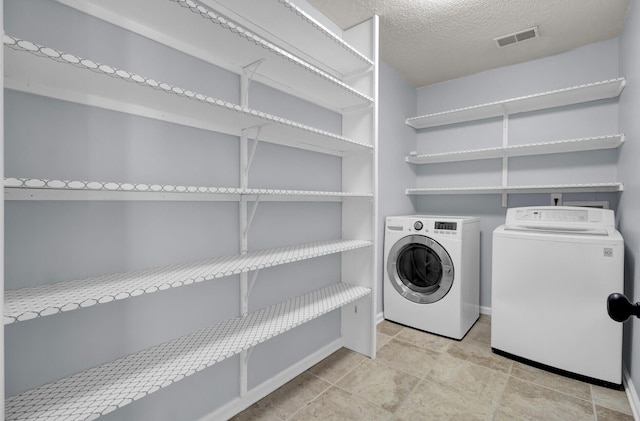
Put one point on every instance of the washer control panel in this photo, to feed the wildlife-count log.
(570, 215)
(565, 217)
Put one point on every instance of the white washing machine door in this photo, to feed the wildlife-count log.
(420, 269)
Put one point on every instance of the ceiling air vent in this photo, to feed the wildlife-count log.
(517, 37)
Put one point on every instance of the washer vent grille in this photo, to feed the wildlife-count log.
(517, 37)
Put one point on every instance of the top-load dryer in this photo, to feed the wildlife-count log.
(553, 269)
(431, 272)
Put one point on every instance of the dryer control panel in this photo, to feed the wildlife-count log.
(441, 226)
(445, 226)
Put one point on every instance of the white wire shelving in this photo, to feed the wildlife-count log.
(551, 99)
(550, 188)
(44, 189)
(45, 300)
(44, 71)
(546, 100)
(541, 148)
(345, 84)
(286, 17)
(103, 389)
(191, 27)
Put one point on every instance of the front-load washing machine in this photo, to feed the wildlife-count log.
(432, 273)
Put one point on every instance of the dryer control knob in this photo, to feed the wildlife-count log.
(418, 225)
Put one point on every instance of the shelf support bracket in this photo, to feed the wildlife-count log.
(247, 282)
(355, 108)
(245, 356)
(252, 282)
(356, 73)
(248, 72)
(251, 213)
(247, 152)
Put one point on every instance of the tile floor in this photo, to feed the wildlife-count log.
(419, 376)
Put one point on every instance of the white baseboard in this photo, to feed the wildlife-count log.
(632, 393)
(379, 318)
(254, 395)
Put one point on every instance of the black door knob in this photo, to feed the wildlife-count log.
(620, 309)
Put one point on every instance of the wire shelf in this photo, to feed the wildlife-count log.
(45, 189)
(45, 300)
(557, 98)
(550, 188)
(103, 389)
(190, 26)
(541, 148)
(40, 70)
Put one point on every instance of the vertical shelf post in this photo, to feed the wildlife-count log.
(247, 152)
(359, 217)
(505, 158)
(245, 81)
(2, 216)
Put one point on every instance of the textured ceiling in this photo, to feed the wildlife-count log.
(429, 41)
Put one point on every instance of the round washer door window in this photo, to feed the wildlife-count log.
(420, 269)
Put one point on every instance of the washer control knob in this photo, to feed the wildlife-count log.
(418, 225)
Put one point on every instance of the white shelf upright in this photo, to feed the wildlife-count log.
(359, 173)
(2, 390)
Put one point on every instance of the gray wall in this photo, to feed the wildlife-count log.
(591, 63)
(629, 170)
(395, 141)
(53, 241)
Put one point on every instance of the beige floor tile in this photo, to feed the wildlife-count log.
(552, 381)
(533, 402)
(336, 365)
(256, 413)
(382, 340)
(481, 331)
(389, 328)
(289, 398)
(480, 353)
(470, 380)
(339, 405)
(606, 414)
(424, 339)
(430, 401)
(612, 399)
(503, 416)
(407, 357)
(379, 384)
